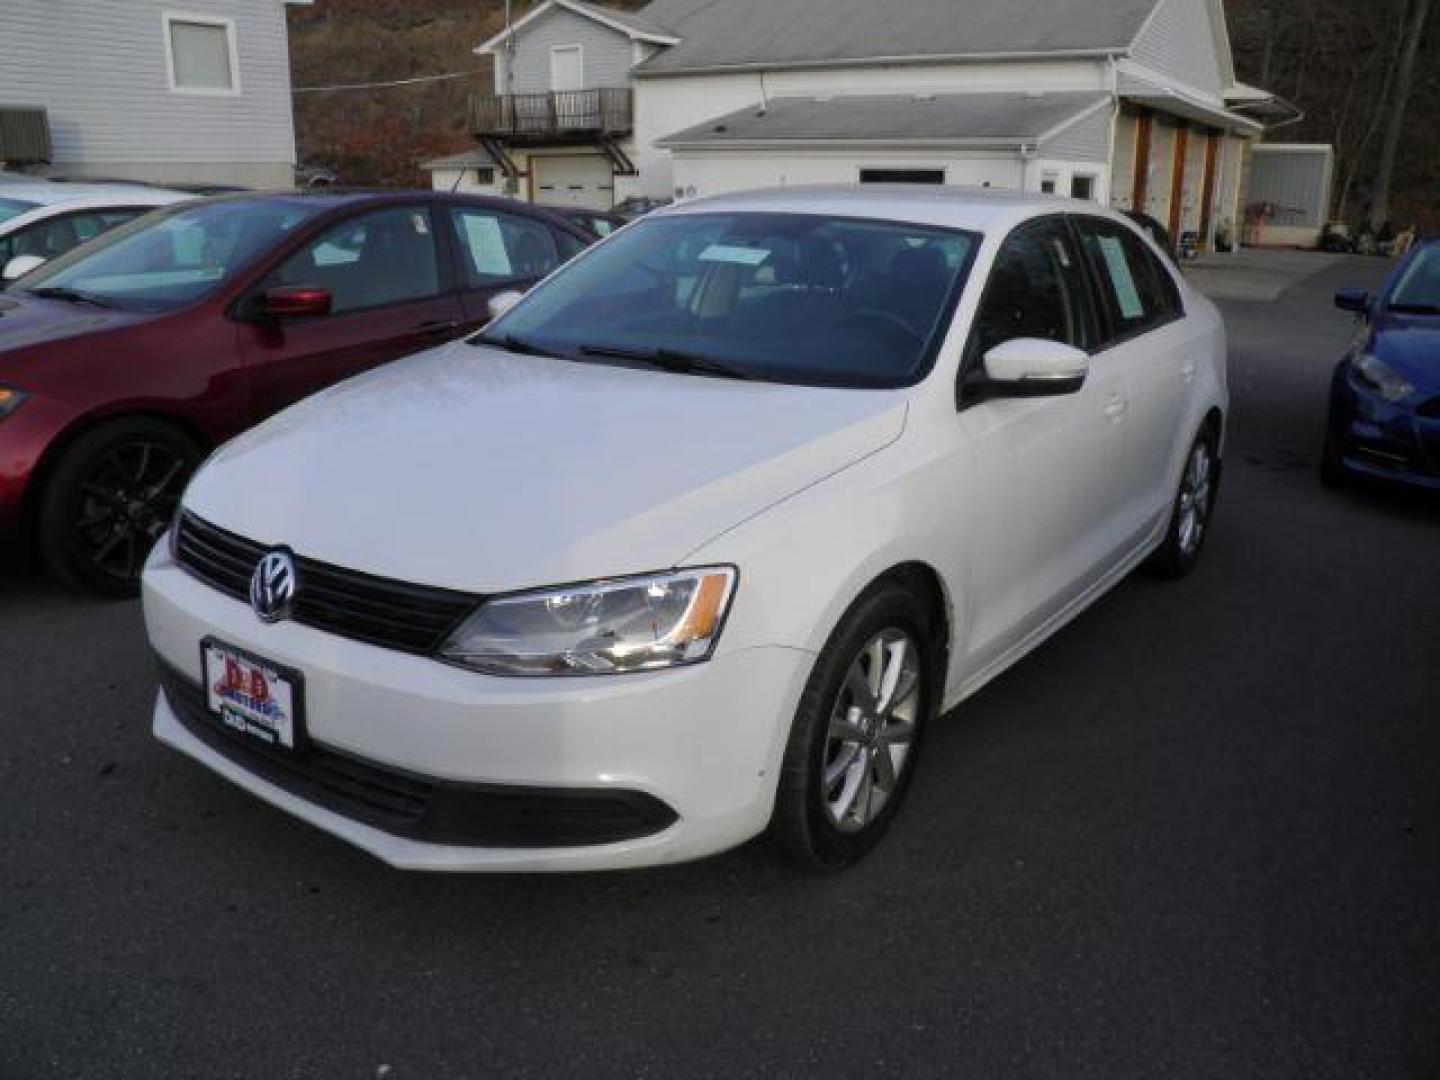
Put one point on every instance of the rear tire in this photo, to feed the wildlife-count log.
(858, 731)
(108, 499)
(1193, 509)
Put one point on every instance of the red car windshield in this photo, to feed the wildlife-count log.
(171, 260)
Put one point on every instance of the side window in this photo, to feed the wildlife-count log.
(91, 223)
(1138, 292)
(497, 248)
(1036, 290)
(570, 246)
(371, 260)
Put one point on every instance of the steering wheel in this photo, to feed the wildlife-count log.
(884, 323)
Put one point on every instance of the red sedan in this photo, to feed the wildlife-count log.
(124, 362)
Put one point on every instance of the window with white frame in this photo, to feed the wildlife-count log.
(200, 56)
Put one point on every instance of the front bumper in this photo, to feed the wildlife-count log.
(682, 763)
(1376, 439)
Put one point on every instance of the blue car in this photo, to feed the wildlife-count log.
(1385, 398)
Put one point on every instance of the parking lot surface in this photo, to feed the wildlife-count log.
(1196, 835)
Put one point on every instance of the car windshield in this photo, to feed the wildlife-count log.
(797, 298)
(11, 207)
(1418, 290)
(167, 261)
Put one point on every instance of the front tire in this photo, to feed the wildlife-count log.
(858, 731)
(109, 498)
(1193, 509)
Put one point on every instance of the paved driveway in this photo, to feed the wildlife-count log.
(1256, 275)
(1198, 835)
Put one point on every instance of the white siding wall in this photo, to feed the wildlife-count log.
(464, 182)
(99, 70)
(1179, 42)
(608, 54)
(1088, 140)
(710, 172)
(1127, 135)
(666, 105)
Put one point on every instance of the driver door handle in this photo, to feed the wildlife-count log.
(436, 327)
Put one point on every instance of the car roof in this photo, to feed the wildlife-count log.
(974, 209)
(43, 193)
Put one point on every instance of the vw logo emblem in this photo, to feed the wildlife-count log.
(272, 586)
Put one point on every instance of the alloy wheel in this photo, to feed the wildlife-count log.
(124, 504)
(1196, 497)
(872, 728)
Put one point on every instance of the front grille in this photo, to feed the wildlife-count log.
(421, 808)
(363, 607)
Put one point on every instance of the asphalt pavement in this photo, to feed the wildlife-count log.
(1196, 835)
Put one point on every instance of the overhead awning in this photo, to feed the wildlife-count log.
(1272, 110)
(1000, 120)
(24, 136)
(1167, 99)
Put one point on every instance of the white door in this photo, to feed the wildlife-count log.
(1155, 345)
(567, 68)
(585, 181)
(1046, 468)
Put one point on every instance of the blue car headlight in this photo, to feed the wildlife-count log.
(1375, 375)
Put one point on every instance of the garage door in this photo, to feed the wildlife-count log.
(587, 182)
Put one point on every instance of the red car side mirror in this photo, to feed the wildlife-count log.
(294, 302)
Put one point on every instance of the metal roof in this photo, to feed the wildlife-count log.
(992, 118)
(630, 20)
(467, 159)
(768, 33)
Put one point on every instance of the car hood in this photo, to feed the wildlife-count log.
(1411, 346)
(26, 322)
(471, 468)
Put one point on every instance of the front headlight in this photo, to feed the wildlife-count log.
(10, 400)
(605, 628)
(1381, 378)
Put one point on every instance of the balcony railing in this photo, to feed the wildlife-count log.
(557, 116)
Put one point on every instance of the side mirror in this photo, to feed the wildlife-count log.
(21, 265)
(293, 302)
(1354, 300)
(1034, 367)
(502, 302)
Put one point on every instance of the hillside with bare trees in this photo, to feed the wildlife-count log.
(1340, 61)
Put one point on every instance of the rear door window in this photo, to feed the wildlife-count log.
(1137, 291)
(498, 249)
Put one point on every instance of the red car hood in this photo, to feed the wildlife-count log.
(26, 322)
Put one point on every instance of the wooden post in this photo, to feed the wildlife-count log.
(1177, 179)
(1207, 195)
(1141, 189)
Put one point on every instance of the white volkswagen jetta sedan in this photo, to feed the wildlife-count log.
(697, 539)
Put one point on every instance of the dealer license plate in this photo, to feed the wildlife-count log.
(251, 696)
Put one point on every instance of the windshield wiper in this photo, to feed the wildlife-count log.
(511, 343)
(74, 296)
(1416, 309)
(680, 363)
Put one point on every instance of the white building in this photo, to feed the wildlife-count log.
(1130, 102)
(193, 91)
